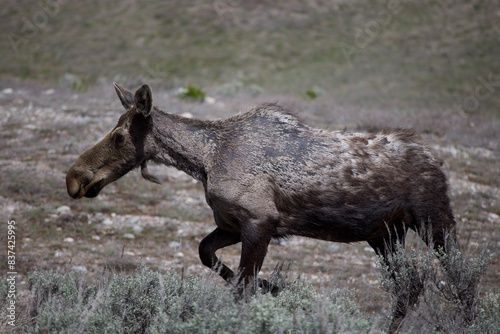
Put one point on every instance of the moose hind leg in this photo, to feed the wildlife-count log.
(432, 215)
(405, 288)
(218, 239)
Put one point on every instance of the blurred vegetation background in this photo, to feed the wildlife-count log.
(400, 55)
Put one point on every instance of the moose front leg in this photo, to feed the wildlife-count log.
(218, 239)
(255, 239)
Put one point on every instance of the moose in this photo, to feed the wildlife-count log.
(268, 175)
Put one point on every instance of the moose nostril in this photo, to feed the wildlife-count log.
(76, 179)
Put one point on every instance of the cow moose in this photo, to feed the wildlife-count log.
(268, 175)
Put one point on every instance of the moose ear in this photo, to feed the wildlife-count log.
(144, 100)
(126, 97)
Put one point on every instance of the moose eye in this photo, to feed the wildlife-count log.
(119, 138)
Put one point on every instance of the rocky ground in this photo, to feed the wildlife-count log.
(43, 129)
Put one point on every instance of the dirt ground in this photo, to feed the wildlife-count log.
(43, 129)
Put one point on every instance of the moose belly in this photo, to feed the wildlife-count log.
(343, 222)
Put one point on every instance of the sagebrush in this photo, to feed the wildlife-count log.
(149, 301)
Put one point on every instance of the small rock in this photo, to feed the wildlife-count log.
(69, 240)
(107, 222)
(189, 200)
(179, 254)
(493, 217)
(48, 92)
(137, 229)
(133, 220)
(58, 254)
(63, 210)
(174, 244)
(7, 91)
(80, 269)
(129, 236)
(187, 115)
(96, 237)
(209, 100)
(333, 248)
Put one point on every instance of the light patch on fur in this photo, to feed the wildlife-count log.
(285, 118)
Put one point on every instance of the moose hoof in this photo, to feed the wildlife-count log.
(268, 287)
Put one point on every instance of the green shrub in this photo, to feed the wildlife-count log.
(134, 299)
(191, 92)
(150, 302)
(65, 295)
(75, 82)
(310, 93)
(488, 311)
(255, 90)
(447, 295)
(314, 92)
(230, 89)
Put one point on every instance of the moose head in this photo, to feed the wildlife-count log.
(121, 150)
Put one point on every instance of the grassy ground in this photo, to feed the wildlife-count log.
(431, 67)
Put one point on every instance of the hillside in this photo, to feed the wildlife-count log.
(402, 56)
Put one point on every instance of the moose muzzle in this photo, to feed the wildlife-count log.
(78, 180)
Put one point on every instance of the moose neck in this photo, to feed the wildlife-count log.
(183, 143)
